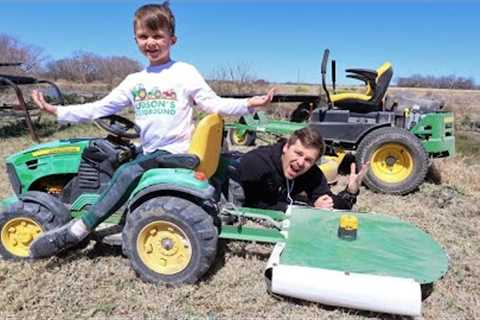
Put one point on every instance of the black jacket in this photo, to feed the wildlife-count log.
(265, 186)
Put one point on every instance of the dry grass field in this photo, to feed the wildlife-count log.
(97, 282)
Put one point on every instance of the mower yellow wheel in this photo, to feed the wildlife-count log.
(392, 163)
(242, 138)
(164, 247)
(239, 138)
(17, 235)
(329, 166)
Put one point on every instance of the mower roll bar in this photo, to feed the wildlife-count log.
(324, 80)
(334, 75)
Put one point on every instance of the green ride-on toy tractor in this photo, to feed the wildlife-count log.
(173, 219)
(170, 232)
(398, 136)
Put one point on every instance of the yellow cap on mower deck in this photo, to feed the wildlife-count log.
(347, 227)
(348, 222)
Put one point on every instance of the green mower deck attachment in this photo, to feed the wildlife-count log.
(380, 264)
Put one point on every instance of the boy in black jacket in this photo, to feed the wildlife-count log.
(272, 177)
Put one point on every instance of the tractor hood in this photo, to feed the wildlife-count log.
(53, 158)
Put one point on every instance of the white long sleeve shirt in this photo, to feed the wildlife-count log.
(163, 97)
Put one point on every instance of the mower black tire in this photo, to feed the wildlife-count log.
(398, 161)
(171, 240)
(301, 113)
(246, 139)
(23, 221)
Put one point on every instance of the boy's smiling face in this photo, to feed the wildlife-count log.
(155, 45)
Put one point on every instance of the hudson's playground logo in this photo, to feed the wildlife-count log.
(154, 101)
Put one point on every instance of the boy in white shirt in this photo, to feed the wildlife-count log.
(163, 96)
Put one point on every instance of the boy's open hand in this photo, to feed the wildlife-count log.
(39, 100)
(260, 101)
(355, 179)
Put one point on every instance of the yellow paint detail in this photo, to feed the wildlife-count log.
(448, 119)
(348, 222)
(382, 69)
(164, 248)
(48, 151)
(17, 235)
(207, 142)
(392, 163)
(350, 95)
(55, 189)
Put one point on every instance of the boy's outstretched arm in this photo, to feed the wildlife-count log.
(39, 100)
(260, 101)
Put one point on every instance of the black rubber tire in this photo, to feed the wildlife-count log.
(409, 142)
(301, 113)
(196, 224)
(247, 140)
(47, 211)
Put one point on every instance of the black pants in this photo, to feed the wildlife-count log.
(123, 182)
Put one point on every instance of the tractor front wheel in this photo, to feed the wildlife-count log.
(170, 239)
(25, 220)
(398, 161)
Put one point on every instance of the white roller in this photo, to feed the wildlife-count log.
(336, 288)
(351, 290)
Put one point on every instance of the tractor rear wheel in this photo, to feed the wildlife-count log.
(170, 239)
(26, 219)
(398, 161)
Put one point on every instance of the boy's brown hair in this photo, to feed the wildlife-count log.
(155, 17)
(309, 137)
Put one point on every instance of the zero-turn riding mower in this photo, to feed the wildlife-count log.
(396, 135)
(175, 216)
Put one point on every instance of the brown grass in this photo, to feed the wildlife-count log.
(97, 282)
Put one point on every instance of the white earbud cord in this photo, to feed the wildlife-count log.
(290, 189)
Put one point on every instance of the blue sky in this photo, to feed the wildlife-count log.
(277, 41)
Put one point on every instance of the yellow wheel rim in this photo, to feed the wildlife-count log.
(17, 235)
(392, 163)
(164, 248)
(239, 138)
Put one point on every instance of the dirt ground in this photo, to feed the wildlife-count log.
(97, 282)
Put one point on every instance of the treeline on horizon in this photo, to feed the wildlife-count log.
(82, 67)
(87, 67)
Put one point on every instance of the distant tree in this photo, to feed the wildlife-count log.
(86, 67)
(235, 80)
(114, 69)
(442, 82)
(12, 50)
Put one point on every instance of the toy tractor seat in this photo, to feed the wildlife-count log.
(204, 151)
(372, 100)
(206, 144)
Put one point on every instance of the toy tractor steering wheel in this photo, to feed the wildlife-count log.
(119, 126)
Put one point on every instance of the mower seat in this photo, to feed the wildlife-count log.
(372, 100)
(206, 143)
